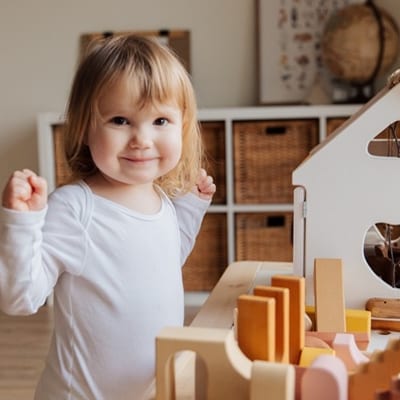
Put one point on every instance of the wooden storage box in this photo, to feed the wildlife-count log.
(265, 155)
(264, 236)
(208, 259)
(213, 134)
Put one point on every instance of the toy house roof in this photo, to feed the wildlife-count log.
(351, 139)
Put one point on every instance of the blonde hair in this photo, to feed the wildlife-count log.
(155, 75)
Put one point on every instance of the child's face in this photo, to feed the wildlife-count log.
(132, 145)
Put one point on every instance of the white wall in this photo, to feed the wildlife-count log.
(39, 47)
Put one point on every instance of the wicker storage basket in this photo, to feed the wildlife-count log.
(213, 134)
(264, 236)
(333, 123)
(208, 259)
(265, 155)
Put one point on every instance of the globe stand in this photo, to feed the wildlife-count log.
(343, 86)
(351, 93)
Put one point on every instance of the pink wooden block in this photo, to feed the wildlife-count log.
(325, 379)
(361, 338)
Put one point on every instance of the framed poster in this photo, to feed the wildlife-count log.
(289, 33)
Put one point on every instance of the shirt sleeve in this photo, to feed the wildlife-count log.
(190, 210)
(36, 248)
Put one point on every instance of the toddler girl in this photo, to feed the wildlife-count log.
(110, 244)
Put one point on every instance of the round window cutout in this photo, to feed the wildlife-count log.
(382, 252)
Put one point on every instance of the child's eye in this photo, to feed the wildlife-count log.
(119, 121)
(161, 121)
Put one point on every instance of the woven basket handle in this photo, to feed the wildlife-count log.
(275, 221)
(275, 130)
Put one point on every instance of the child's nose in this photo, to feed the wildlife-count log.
(140, 137)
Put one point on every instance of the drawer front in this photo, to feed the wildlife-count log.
(264, 236)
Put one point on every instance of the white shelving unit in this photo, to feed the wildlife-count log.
(323, 114)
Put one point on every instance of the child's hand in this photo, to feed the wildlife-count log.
(205, 187)
(25, 191)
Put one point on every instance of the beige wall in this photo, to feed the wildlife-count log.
(39, 44)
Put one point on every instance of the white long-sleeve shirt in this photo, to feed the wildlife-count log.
(117, 281)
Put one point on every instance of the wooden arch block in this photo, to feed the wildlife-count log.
(228, 371)
(346, 349)
(229, 374)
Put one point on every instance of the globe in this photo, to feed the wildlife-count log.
(356, 47)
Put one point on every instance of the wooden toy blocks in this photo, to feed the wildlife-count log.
(223, 370)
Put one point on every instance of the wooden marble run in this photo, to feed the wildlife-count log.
(269, 355)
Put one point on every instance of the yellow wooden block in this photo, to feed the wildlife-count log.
(309, 354)
(356, 320)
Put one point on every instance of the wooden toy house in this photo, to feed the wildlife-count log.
(343, 188)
